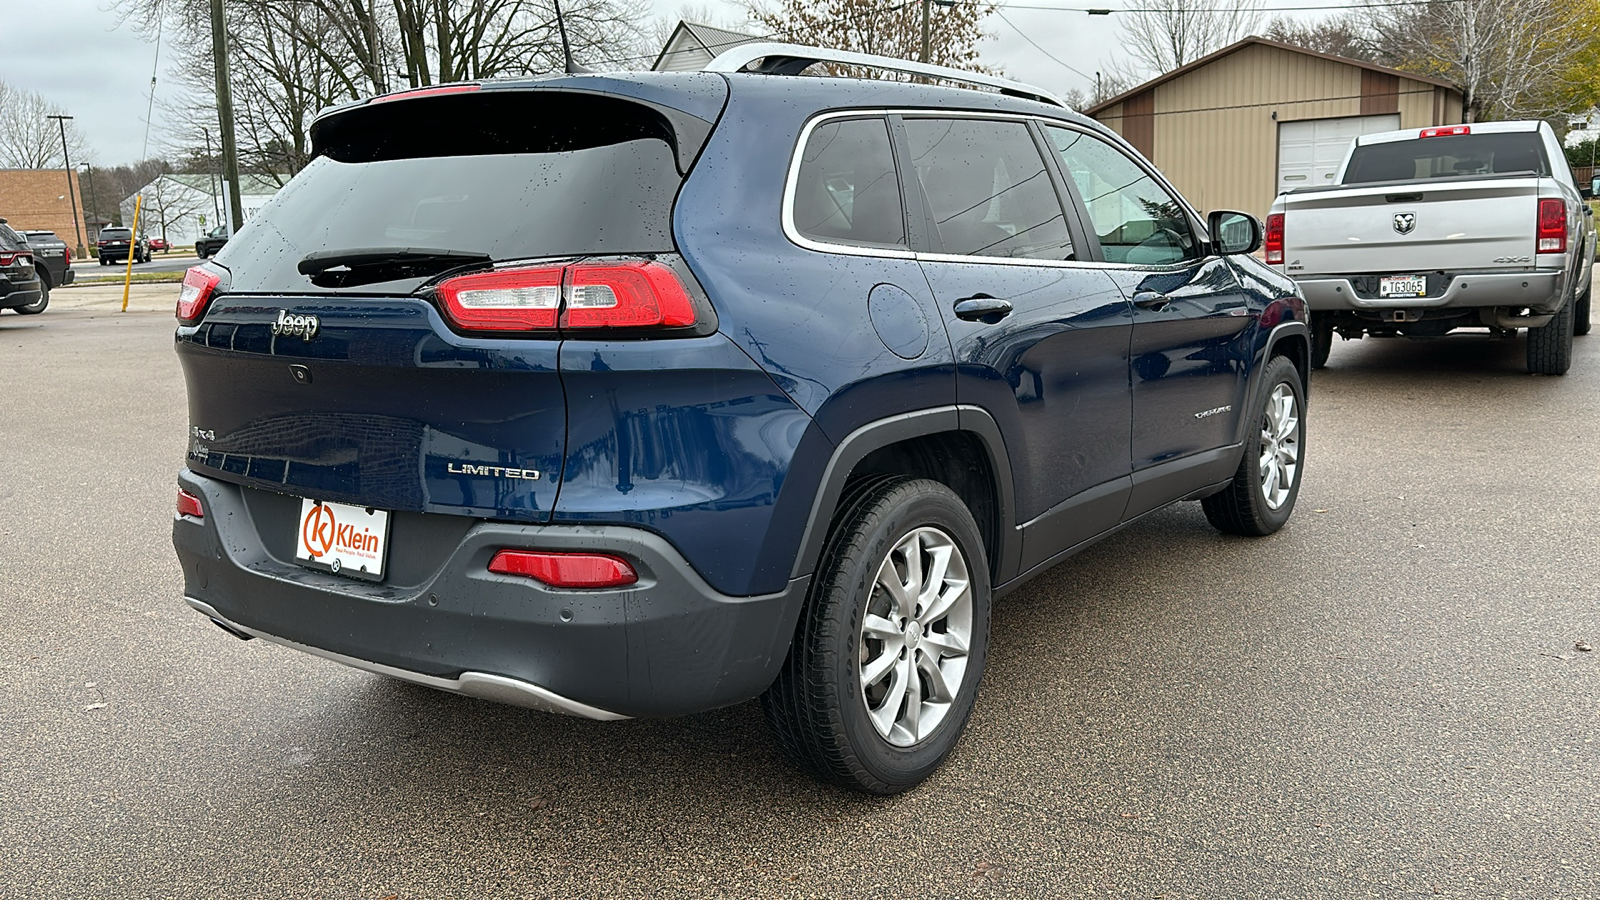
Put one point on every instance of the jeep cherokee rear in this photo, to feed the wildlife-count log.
(653, 393)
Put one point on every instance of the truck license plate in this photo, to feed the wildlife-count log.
(1402, 286)
(345, 540)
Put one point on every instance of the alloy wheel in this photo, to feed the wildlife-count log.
(1280, 446)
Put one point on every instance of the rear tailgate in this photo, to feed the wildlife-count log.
(327, 367)
(1455, 225)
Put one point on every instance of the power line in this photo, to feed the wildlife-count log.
(1036, 46)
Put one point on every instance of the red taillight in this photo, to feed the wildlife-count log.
(7, 259)
(1552, 232)
(68, 254)
(1445, 131)
(428, 92)
(565, 570)
(189, 505)
(1274, 239)
(198, 283)
(625, 294)
(509, 300)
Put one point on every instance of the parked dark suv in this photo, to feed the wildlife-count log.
(20, 288)
(52, 258)
(651, 393)
(114, 243)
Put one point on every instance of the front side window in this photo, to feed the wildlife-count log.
(1136, 219)
(847, 191)
(987, 189)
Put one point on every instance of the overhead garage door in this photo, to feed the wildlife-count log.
(1310, 151)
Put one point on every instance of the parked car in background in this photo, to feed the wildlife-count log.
(644, 394)
(158, 243)
(115, 244)
(1435, 229)
(52, 259)
(214, 240)
(20, 287)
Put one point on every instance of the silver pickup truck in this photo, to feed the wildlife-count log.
(1434, 229)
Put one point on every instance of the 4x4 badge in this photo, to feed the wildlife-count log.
(1404, 222)
(304, 326)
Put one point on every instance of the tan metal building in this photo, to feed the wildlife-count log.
(1234, 129)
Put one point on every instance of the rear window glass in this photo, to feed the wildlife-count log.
(1448, 157)
(10, 240)
(531, 181)
(847, 190)
(121, 234)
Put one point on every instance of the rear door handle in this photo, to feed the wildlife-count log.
(1150, 299)
(982, 307)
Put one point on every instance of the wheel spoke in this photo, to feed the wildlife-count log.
(1269, 484)
(912, 549)
(873, 672)
(933, 583)
(881, 628)
(888, 713)
(938, 690)
(889, 579)
(912, 720)
(935, 611)
(945, 643)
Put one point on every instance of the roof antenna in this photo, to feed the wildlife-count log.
(566, 48)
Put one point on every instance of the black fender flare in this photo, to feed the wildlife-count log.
(1276, 336)
(902, 427)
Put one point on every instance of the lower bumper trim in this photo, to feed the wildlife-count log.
(482, 685)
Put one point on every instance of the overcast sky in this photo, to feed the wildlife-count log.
(80, 59)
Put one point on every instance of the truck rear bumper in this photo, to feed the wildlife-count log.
(668, 645)
(1540, 291)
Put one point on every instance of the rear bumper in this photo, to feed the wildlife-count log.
(14, 294)
(669, 645)
(1539, 290)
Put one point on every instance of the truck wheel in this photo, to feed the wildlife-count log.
(1321, 340)
(1264, 489)
(1550, 346)
(37, 306)
(891, 645)
(1580, 313)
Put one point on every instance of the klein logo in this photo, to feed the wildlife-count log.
(1405, 222)
(491, 471)
(304, 326)
(322, 534)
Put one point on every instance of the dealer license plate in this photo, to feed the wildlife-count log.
(1403, 286)
(346, 540)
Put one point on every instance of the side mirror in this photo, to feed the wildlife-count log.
(1586, 192)
(1233, 233)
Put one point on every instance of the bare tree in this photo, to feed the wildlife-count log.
(1167, 34)
(168, 201)
(1511, 58)
(886, 29)
(1341, 35)
(29, 139)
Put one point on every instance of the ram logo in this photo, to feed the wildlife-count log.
(1404, 222)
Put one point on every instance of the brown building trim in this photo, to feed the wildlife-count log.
(1380, 93)
(1139, 123)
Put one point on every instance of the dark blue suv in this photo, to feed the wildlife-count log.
(644, 394)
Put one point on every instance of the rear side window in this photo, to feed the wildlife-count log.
(847, 191)
(987, 189)
(1448, 157)
(518, 175)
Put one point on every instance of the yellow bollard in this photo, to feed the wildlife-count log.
(133, 246)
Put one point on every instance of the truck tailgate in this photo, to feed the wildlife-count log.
(1457, 225)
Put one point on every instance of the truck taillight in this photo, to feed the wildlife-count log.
(1274, 239)
(1446, 131)
(617, 294)
(68, 254)
(198, 284)
(1552, 231)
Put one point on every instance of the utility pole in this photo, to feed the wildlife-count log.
(66, 161)
(230, 153)
(92, 204)
(211, 176)
(927, 34)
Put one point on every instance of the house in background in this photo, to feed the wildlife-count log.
(1234, 129)
(691, 46)
(181, 208)
(37, 200)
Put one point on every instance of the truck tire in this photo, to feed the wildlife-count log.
(1550, 346)
(37, 306)
(1321, 340)
(890, 647)
(1580, 313)
(1258, 501)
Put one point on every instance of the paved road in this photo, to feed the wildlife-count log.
(159, 262)
(1383, 700)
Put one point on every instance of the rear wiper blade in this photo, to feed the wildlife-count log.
(338, 268)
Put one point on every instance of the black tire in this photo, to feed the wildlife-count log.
(1580, 313)
(1321, 339)
(1550, 346)
(104, 261)
(37, 306)
(817, 707)
(1242, 507)
(200, 252)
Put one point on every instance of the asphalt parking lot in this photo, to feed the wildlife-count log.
(1382, 700)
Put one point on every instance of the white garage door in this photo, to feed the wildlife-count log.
(1309, 152)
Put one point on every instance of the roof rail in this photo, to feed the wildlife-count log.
(792, 59)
